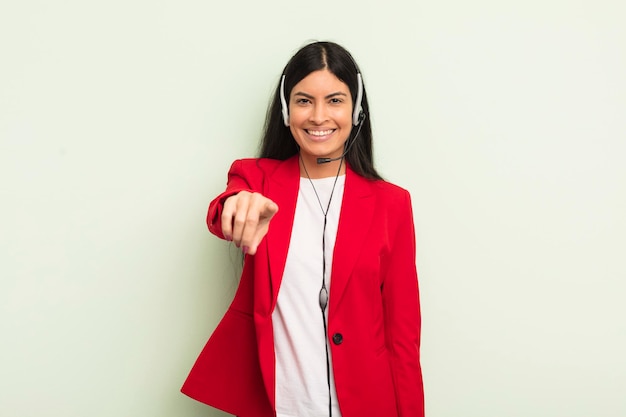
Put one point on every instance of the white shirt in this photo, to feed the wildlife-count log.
(299, 339)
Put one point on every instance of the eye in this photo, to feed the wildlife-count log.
(302, 101)
(336, 100)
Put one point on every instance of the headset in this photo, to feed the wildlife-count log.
(357, 116)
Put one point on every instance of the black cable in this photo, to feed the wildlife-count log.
(323, 294)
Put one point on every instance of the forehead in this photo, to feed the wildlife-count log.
(322, 81)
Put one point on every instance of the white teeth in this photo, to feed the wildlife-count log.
(319, 132)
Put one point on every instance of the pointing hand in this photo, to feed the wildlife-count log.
(245, 219)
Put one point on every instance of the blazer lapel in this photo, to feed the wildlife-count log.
(281, 187)
(357, 212)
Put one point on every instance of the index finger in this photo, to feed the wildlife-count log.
(269, 209)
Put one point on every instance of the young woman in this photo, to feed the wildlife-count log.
(326, 318)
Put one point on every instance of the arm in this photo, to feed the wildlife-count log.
(400, 297)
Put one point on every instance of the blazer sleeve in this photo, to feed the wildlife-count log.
(400, 296)
(243, 175)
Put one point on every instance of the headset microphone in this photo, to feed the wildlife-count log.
(345, 152)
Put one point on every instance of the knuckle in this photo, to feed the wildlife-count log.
(251, 221)
(232, 200)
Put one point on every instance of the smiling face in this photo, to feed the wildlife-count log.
(320, 117)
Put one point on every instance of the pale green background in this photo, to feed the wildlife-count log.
(118, 121)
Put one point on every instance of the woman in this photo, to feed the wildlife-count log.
(326, 319)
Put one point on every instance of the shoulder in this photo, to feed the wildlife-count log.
(389, 200)
(252, 164)
(389, 188)
(389, 196)
(395, 202)
(262, 166)
(392, 194)
(379, 187)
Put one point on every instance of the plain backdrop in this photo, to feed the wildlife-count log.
(506, 120)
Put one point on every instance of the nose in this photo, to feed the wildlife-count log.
(318, 114)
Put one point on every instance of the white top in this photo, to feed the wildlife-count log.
(299, 339)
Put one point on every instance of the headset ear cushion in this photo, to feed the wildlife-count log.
(358, 108)
(283, 101)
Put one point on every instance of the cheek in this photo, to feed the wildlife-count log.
(294, 133)
(344, 119)
(297, 116)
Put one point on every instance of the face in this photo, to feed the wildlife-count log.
(320, 115)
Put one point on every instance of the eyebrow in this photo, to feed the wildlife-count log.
(331, 95)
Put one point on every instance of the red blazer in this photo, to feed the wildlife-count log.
(373, 314)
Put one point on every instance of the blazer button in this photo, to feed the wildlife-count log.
(337, 338)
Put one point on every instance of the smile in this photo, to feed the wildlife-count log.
(320, 132)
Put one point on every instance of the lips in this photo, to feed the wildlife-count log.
(320, 132)
(319, 135)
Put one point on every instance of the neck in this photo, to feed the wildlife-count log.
(330, 169)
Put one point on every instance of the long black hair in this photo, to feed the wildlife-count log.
(278, 142)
